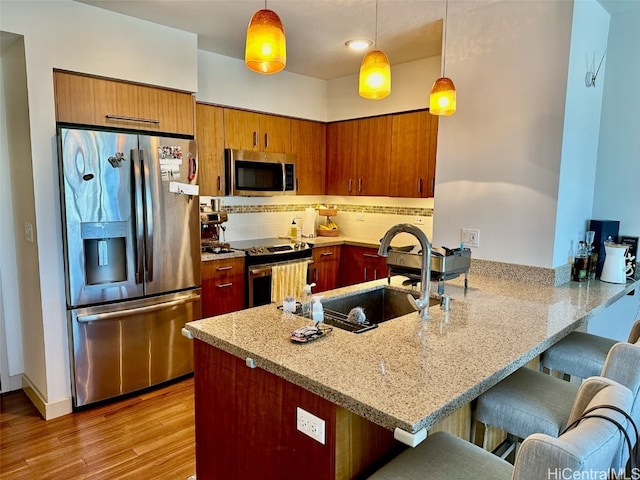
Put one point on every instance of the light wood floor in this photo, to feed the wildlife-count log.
(148, 436)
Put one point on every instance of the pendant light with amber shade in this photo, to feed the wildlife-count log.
(375, 72)
(266, 48)
(442, 100)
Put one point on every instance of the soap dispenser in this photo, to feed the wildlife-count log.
(318, 312)
(306, 300)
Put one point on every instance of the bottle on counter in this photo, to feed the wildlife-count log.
(294, 229)
(581, 263)
(307, 300)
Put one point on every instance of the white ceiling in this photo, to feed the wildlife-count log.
(316, 30)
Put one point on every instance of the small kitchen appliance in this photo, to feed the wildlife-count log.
(614, 268)
(211, 229)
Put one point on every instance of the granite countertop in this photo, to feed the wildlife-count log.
(407, 373)
(207, 256)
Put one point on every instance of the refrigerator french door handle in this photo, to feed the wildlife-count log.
(138, 216)
(148, 208)
(136, 311)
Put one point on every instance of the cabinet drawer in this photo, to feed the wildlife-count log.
(222, 286)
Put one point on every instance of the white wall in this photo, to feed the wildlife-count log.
(410, 86)
(14, 124)
(589, 33)
(69, 35)
(227, 81)
(499, 155)
(617, 189)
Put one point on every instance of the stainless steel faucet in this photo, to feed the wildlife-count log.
(421, 304)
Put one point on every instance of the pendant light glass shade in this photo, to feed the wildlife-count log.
(266, 49)
(375, 76)
(442, 100)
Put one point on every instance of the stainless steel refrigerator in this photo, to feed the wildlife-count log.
(132, 246)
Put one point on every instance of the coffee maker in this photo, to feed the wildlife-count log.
(211, 228)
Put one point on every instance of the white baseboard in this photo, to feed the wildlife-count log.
(48, 410)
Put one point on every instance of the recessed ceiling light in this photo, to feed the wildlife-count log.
(358, 43)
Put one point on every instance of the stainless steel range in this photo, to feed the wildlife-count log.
(262, 255)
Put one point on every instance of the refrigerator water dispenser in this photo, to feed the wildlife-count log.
(105, 252)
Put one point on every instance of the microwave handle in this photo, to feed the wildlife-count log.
(284, 178)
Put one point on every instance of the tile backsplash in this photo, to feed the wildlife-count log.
(359, 217)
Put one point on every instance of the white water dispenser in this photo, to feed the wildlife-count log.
(614, 268)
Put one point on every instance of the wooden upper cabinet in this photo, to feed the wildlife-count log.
(308, 143)
(275, 133)
(210, 138)
(359, 157)
(373, 156)
(413, 154)
(256, 131)
(342, 138)
(85, 100)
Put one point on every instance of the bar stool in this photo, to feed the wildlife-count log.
(528, 401)
(592, 446)
(582, 354)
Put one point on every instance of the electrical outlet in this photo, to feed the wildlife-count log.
(470, 237)
(418, 221)
(310, 425)
(360, 217)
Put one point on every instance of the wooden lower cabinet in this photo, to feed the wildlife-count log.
(222, 286)
(246, 427)
(325, 268)
(360, 264)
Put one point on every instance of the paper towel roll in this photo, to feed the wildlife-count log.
(309, 222)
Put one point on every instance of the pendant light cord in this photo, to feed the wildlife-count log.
(444, 36)
(375, 40)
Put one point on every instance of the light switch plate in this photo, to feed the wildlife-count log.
(470, 237)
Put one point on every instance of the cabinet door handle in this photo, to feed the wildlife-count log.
(255, 139)
(350, 182)
(133, 119)
(420, 185)
(315, 274)
(433, 186)
(375, 274)
(220, 269)
(224, 285)
(360, 185)
(219, 183)
(365, 274)
(370, 255)
(266, 140)
(326, 254)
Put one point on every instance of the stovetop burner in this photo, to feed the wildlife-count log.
(269, 246)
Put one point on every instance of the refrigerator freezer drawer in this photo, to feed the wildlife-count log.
(124, 347)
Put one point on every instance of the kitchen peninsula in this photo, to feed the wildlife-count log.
(404, 376)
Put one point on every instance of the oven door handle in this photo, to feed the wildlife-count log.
(260, 272)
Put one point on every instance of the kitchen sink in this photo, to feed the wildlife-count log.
(379, 305)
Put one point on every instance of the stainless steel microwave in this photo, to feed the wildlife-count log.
(251, 173)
